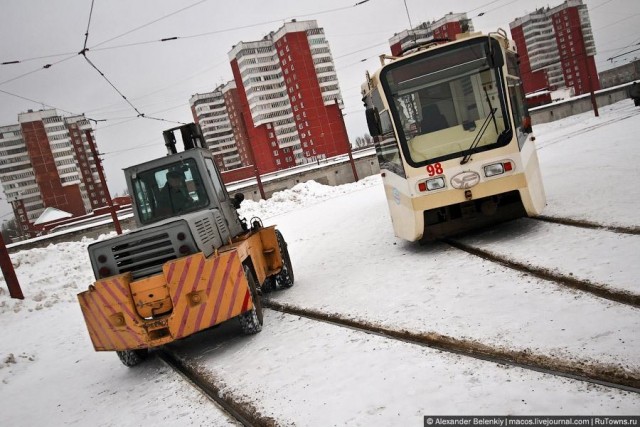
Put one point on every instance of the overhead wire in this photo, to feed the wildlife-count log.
(44, 67)
(601, 4)
(140, 114)
(149, 23)
(495, 8)
(83, 52)
(225, 30)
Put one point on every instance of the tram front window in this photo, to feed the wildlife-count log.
(446, 99)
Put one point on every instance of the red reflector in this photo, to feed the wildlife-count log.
(184, 249)
(508, 166)
(422, 186)
(104, 272)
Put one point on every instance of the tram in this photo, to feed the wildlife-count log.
(453, 137)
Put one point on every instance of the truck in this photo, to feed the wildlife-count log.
(190, 264)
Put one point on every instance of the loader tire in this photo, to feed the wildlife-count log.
(285, 277)
(132, 358)
(251, 321)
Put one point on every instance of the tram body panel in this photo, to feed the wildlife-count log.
(454, 138)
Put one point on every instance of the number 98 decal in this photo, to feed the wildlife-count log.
(435, 169)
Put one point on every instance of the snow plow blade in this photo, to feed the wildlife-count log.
(191, 294)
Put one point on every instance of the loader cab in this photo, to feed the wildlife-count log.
(177, 185)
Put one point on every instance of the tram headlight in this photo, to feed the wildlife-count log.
(497, 169)
(431, 184)
(435, 184)
(493, 170)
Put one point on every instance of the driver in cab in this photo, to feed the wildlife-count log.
(174, 196)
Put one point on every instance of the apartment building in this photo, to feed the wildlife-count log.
(444, 28)
(288, 101)
(556, 49)
(46, 161)
(214, 112)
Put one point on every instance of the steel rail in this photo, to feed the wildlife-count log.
(587, 224)
(243, 412)
(604, 375)
(597, 289)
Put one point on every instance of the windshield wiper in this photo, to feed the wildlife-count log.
(482, 129)
(479, 135)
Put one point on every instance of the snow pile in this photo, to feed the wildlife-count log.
(57, 273)
(301, 195)
(48, 276)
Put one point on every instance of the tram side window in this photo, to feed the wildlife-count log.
(516, 96)
(518, 107)
(387, 148)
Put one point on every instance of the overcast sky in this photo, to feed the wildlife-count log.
(158, 78)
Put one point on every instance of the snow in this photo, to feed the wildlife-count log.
(348, 262)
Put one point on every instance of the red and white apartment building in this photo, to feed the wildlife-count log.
(214, 112)
(283, 107)
(46, 162)
(557, 51)
(444, 28)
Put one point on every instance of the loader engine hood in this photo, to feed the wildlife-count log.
(144, 251)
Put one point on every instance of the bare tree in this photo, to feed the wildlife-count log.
(364, 141)
(10, 230)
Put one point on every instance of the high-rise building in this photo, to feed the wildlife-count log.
(288, 98)
(212, 111)
(556, 49)
(444, 28)
(46, 162)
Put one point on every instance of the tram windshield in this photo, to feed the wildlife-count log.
(448, 102)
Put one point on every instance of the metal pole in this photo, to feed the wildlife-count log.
(344, 128)
(8, 272)
(594, 103)
(103, 181)
(256, 172)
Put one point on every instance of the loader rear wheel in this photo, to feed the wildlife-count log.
(285, 277)
(251, 321)
(132, 357)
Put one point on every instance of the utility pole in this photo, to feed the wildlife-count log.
(344, 128)
(256, 172)
(8, 272)
(103, 181)
(594, 103)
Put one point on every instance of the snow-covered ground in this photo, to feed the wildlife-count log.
(348, 262)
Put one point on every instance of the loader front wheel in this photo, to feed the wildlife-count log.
(132, 358)
(251, 321)
(285, 277)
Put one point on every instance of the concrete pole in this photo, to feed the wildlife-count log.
(103, 181)
(8, 272)
(344, 128)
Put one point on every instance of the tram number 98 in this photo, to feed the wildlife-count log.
(435, 169)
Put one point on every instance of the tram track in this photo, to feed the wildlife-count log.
(614, 376)
(241, 408)
(583, 370)
(597, 289)
(587, 129)
(587, 224)
(242, 411)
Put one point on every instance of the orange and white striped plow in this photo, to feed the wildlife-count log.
(203, 292)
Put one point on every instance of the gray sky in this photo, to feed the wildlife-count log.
(159, 77)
